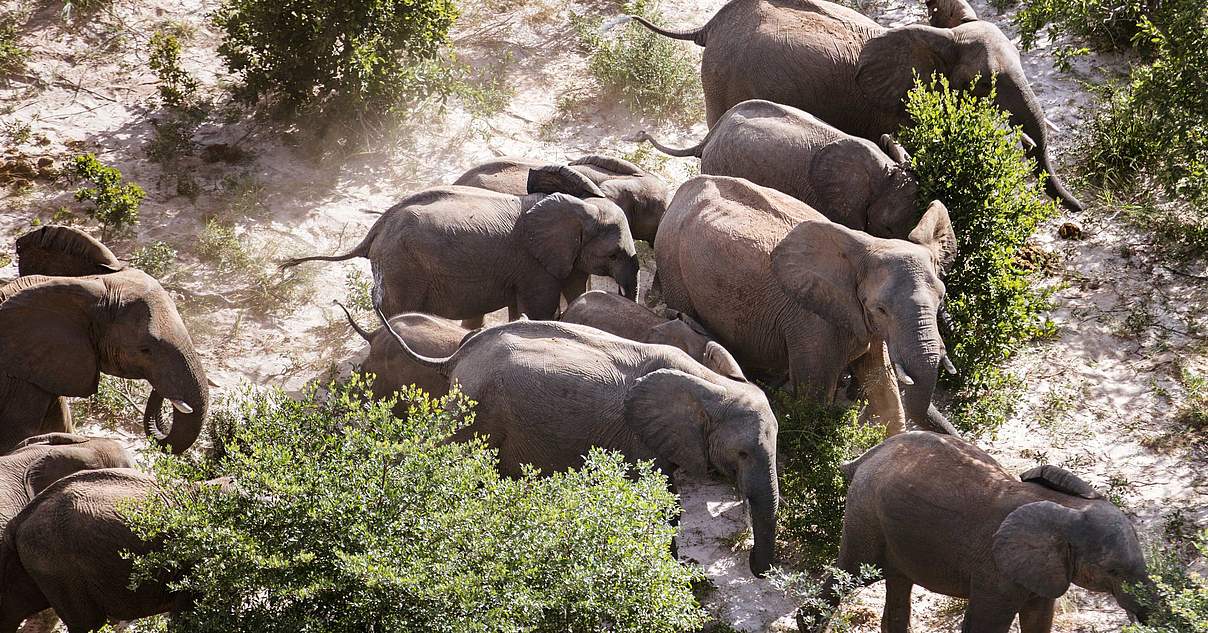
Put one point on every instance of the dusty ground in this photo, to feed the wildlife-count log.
(1101, 397)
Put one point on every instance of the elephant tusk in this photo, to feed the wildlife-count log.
(1028, 143)
(948, 366)
(1052, 126)
(182, 406)
(903, 377)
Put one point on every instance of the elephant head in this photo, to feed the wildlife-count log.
(577, 228)
(876, 289)
(702, 422)
(682, 331)
(641, 195)
(1044, 547)
(60, 333)
(866, 187)
(64, 251)
(946, 14)
(969, 55)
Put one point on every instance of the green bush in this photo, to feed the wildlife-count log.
(177, 88)
(156, 259)
(12, 54)
(654, 76)
(814, 441)
(115, 203)
(966, 155)
(1179, 602)
(117, 403)
(354, 58)
(1107, 23)
(345, 518)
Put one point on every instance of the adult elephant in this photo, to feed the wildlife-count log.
(58, 334)
(462, 252)
(853, 73)
(802, 294)
(548, 392)
(848, 179)
(938, 512)
(640, 194)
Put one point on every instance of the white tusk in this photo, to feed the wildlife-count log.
(948, 366)
(181, 406)
(1052, 126)
(903, 377)
(1028, 143)
(614, 23)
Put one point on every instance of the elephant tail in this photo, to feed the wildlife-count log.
(695, 150)
(360, 250)
(440, 365)
(353, 322)
(696, 35)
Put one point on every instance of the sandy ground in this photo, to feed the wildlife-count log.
(1100, 396)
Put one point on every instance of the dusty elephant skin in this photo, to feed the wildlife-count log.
(627, 319)
(44, 459)
(548, 392)
(805, 295)
(641, 195)
(848, 179)
(462, 252)
(938, 512)
(853, 73)
(58, 334)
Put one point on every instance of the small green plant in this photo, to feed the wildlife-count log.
(966, 155)
(815, 440)
(346, 518)
(117, 403)
(1178, 600)
(244, 195)
(262, 286)
(5, 260)
(12, 53)
(177, 88)
(173, 139)
(156, 259)
(115, 203)
(1193, 412)
(817, 605)
(16, 132)
(360, 291)
(654, 76)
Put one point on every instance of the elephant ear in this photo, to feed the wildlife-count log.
(894, 150)
(1031, 548)
(817, 266)
(44, 334)
(889, 62)
(669, 410)
(562, 179)
(1061, 480)
(615, 165)
(554, 229)
(64, 251)
(934, 232)
(717, 359)
(844, 173)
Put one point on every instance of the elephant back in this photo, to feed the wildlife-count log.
(1060, 480)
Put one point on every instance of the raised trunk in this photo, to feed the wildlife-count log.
(759, 487)
(1017, 98)
(194, 392)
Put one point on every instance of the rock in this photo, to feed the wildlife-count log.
(1069, 231)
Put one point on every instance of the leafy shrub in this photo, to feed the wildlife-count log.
(1107, 23)
(815, 440)
(12, 54)
(117, 403)
(811, 589)
(965, 154)
(115, 203)
(654, 76)
(357, 58)
(260, 285)
(156, 259)
(360, 291)
(1179, 603)
(177, 87)
(346, 518)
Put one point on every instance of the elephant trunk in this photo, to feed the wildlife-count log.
(919, 360)
(626, 275)
(1126, 598)
(1017, 98)
(759, 487)
(189, 393)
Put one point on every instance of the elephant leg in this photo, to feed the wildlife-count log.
(875, 374)
(474, 323)
(43, 622)
(58, 417)
(540, 302)
(816, 365)
(896, 617)
(985, 614)
(1037, 616)
(816, 615)
(574, 286)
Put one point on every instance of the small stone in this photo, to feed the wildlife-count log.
(1069, 231)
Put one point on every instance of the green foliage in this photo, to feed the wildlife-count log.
(177, 88)
(814, 441)
(1107, 23)
(1179, 599)
(654, 76)
(12, 54)
(966, 155)
(1193, 412)
(115, 203)
(344, 518)
(816, 602)
(117, 403)
(360, 291)
(262, 287)
(352, 58)
(156, 259)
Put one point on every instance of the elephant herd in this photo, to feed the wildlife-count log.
(800, 255)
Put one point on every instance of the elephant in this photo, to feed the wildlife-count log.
(426, 334)
(938, 512)
(58, 334)
(41, 460)
(548, 392)
(462, 252)
(853, 73)
(640, 194)
(848, 179)
(64, 251)
(802, 294)
(627, 319)
(949, 14)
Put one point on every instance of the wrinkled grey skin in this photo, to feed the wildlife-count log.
(62, 554)
(42, 460)
(462, 252)
(802, 294)
(627, 319)
(848, 179)
(548, 392)
(64, 251)
(58, 334)
(853, 73)
(938, 512)
(641, 195)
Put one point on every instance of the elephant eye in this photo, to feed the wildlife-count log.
(743, 455)
(144, 350)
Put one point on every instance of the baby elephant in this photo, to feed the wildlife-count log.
(936, 511)
(627, 319)
(548, 392)
(846, 178)
(641, 195)
(42, 460)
